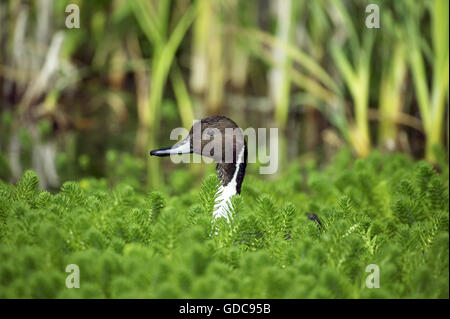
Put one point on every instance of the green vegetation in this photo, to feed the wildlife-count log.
(363, 144)
(134, 70)
(386, 210)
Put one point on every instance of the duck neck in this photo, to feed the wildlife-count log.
(231, 176)
(233, 173)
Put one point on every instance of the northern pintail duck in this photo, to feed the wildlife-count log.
(219, 138)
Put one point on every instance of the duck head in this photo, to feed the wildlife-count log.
(219, 138)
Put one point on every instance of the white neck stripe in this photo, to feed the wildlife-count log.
(226, 192)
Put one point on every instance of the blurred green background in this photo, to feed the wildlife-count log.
(92, 101)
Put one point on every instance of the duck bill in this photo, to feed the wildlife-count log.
(182, 147)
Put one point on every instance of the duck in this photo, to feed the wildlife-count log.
(219, 138)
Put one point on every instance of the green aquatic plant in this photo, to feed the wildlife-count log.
(385, 210)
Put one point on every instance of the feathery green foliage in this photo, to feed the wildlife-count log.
(386, 210)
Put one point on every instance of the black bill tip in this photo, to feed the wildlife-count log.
(161, 152)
